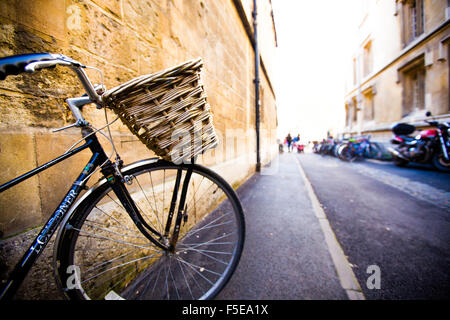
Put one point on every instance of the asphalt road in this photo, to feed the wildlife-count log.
(397, 219)
(285, 255)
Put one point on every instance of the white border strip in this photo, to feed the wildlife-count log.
(345, 273)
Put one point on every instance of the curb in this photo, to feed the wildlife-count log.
(345, 273)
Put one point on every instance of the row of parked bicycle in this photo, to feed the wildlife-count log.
(350, 149)
(430, 146)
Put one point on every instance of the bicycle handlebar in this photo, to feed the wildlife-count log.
(14, 65)
(38, 65)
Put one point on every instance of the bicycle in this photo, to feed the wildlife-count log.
(358, 148)
(152, 229)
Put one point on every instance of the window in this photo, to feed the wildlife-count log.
(367, 58)
(412, 20)
(354, 111)
(347, 115)
(447, 11)
(354, 70)
(369, 108)
(413, 86)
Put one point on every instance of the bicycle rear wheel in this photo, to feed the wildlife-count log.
(346, 153)
(102, 255)
(373, 151)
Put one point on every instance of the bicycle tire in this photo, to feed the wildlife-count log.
(373, 151)
(192, 271)
(345, 153)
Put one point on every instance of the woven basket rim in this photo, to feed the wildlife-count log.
(155, 105)
(137, 81)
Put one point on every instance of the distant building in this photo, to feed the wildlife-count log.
(400, 66)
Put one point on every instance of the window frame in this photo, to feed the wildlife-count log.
(413, 78)
(412, 20)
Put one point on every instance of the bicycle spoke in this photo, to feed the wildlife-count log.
(117, 260)
(164, 193)
(198, 188)
(209, 251)
(85, 233)
(113, 232)
(193, 267)
(156, 281)
(185, 279)
(155, 210)
(173, 280)
(207, 255)
(130, 269)
(118, 227)
(99, 265)
(192, 276)
(167, 284)
(212, 240)
(121, 265)
(203, 194)
(211, 226)
(208, 225)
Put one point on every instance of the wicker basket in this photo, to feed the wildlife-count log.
(159, 108)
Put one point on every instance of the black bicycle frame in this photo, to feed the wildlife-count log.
(24, 265)
(115, 180)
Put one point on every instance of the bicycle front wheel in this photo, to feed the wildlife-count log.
(373, 151)
(346, 153)
(102, 255)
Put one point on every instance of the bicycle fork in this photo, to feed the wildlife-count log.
(165, 241)
(182, 210)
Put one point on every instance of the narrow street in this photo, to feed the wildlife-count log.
(173, 99)
(394, 218)
(285, 255)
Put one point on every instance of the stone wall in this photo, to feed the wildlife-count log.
(123, 38)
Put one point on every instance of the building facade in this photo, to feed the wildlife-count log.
(125, 39)
(400, 66)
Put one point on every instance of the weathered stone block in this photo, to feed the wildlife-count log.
(57, 180)
(113, 7)
(110, 38)
(20, 206)
(143, 17)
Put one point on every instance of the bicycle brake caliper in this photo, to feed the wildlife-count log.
(118, 165)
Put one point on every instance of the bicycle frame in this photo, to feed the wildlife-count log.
(359, 147)
(98, 158)
(40, 242)
(114, 178)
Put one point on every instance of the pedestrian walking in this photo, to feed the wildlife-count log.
(289, 141)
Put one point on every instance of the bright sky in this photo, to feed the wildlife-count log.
(315, 43)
